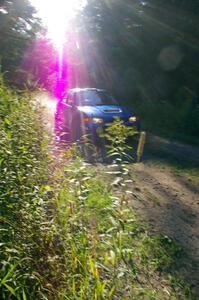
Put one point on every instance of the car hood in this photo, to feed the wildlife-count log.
(106, 111)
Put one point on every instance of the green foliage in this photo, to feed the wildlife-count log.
(146, 52)
(161, 252)
(120, 31)
(174, 121)
(117, 134)
(18, 28)
(64, 234)
(22, 174)
(108, 251)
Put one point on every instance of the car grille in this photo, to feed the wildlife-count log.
(112, 119)
(112, 110)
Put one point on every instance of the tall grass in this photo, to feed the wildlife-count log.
(23, 176)
(65, 232)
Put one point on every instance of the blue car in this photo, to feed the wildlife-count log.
(86, 111)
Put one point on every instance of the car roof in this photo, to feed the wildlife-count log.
(77, 90)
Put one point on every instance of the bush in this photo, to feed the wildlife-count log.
(172, 120)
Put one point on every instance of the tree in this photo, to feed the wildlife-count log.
(150, 47)
(18, 28)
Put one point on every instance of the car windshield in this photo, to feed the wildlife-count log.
(94, 98)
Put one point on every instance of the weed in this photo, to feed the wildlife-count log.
(117, 134)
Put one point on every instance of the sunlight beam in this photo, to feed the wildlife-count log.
(57, 16)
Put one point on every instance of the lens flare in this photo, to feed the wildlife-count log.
(57, 16)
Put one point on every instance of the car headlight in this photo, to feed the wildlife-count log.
(97, 120)
(93, 120)
(133, 119)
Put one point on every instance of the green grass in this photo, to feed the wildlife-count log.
(190, 173)
(63, 233)
(111, 251)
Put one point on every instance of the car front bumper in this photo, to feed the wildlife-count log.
(96, 131)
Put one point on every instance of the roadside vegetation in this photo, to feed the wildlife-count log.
(65, 233)
(177, 121)
(68, 229)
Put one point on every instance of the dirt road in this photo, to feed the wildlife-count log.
(166, 195)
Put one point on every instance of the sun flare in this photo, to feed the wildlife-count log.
(56, 16)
